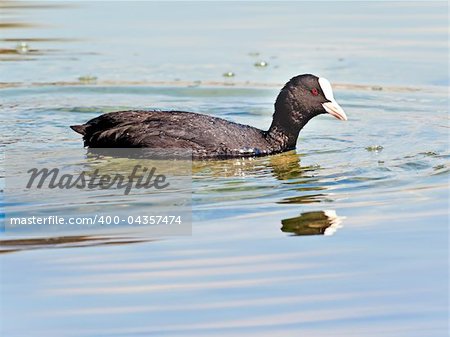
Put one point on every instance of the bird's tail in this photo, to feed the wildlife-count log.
(81, 129)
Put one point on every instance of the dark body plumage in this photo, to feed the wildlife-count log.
(207, 136)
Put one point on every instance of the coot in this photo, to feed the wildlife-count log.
(302, 98)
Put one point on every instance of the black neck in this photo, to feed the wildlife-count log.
(288, 119)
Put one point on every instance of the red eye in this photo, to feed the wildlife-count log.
(314, 91)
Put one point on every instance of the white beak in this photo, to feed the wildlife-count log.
(332, 107)
(335, 110)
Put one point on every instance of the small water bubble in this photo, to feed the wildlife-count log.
(22, 48)
(229, 74)
(261, 64)
(374, 148)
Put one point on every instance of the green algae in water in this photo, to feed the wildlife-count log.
(22, 48)
(229, 74)
(87, 79)
(261, 64)
(374, 148)
(430, 154)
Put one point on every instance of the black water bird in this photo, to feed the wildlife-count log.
(302, 98)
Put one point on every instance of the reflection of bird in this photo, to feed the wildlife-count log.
(282, 166)
(302, 98)
(313, 223)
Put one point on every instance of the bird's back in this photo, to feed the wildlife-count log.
(207, 136)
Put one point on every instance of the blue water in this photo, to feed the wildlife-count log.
(378, 182)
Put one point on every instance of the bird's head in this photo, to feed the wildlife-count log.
(306, 96)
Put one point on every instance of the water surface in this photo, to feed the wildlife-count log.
(346, 236)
